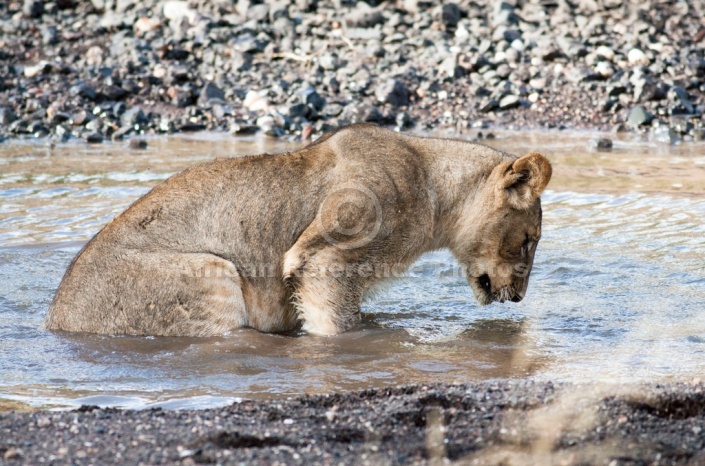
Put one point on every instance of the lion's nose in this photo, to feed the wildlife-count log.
(517, 298)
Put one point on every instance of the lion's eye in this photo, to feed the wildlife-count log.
(528, 244)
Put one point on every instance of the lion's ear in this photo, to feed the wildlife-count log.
(525, 180)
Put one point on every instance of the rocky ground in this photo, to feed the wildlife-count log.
(103, 69)
(508, 423)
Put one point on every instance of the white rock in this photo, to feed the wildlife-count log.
(159, 71)
(144, 24)
(34, 70)
(637, 57)
(461, 33)
(517, 44)
(176, 10)
(256, 101)
(604, 69)
(94, 55)
(605, 52)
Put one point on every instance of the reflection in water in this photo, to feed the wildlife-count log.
(616, 294)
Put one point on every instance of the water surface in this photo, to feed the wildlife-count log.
(617, 292)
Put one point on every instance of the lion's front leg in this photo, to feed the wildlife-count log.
(323, 266)
(327, 294)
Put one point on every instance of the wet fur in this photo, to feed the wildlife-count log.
(179, 260)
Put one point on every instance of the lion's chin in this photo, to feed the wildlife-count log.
(483, 299)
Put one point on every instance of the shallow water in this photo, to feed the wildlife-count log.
(617, 292)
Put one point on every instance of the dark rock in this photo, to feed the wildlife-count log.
(115, 93)
(137, 144)
(296, 110)
(242, 129)
(84, 90)
(131, 87)
(95, 138)
(489, 105)
(315, 100)
(603, 144)
(616, 90)
(450, 15)
(7, 116)
(191, 127)
(210, 93)
(19, 126)
(33, 8)
(60, 117)
(37, 129)
(638, 116)
(175, 53)
(49, 35)
(394, 92)
(361, 113)
(118, 109)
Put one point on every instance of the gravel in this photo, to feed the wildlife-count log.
(507, 422)
(225, 66)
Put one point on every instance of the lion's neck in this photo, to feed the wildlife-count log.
(457, 172)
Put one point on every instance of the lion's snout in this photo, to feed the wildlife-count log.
(486, 293)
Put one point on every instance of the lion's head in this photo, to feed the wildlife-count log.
(500, 228)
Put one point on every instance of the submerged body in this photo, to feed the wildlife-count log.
(269, 240)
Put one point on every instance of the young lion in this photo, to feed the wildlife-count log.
(269, 240)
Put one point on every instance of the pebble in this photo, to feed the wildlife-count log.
(256, 101)
(34, 70)
(137, 144)
(508, 102)
(637, 57)
(33, 8)
(224, 62)
(210, 93)
(94, 138)
(605, 52)
(603, 144)
(604, 69)
(144, 25)
(394, 92)
(176, 10)
(638, 116)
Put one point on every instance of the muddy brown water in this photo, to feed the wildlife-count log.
(617, 291)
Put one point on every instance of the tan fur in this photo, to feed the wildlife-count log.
(271, 240)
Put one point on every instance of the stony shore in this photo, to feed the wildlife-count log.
(509, 423)
(101, 69)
